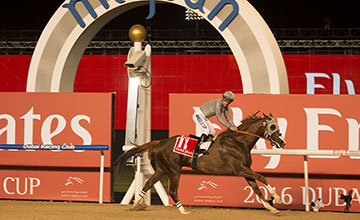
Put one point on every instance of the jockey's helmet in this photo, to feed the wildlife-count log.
(229, 95)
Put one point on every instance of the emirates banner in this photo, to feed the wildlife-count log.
(60, 119)
(311, 122)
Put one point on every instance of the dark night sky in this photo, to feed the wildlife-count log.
(33, 15)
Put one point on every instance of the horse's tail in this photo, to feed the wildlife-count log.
(121, 160)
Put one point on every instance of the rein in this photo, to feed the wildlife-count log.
(248, 133)
(242, 132)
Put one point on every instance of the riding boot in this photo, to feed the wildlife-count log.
(203, 138)
(210, 138)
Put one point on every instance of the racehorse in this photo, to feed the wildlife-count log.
(228, 155)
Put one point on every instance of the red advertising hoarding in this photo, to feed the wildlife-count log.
(229, 191)
(54, 118)
(70, 185)
(321, 122)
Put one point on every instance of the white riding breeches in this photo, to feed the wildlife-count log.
(203, 123)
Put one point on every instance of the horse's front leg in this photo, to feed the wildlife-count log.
(257, 191)
(274, 194)
(249, 173)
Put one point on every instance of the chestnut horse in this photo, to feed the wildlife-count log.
(228, 155)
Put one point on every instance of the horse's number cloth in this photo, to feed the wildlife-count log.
(185, 145)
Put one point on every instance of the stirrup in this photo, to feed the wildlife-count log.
(202, 151)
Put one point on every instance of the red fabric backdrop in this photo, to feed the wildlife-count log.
(183, 74)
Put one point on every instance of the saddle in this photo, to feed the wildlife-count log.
(185, 145)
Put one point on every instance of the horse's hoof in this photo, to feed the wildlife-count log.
(278, 200)
(139, 207)
(182, 211)
(137, 202)
(275, 212)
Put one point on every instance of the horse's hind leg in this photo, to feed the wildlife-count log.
(257, 191)
(174, 184)
(149, 183)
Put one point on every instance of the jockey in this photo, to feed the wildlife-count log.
(212, 108)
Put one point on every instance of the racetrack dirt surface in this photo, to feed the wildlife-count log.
(44, 210)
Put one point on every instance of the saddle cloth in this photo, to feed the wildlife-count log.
(185, 145)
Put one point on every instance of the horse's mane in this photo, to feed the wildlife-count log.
(249, 120)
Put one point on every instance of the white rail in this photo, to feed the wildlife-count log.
(306, 153)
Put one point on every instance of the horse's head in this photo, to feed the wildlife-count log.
(272, 131)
